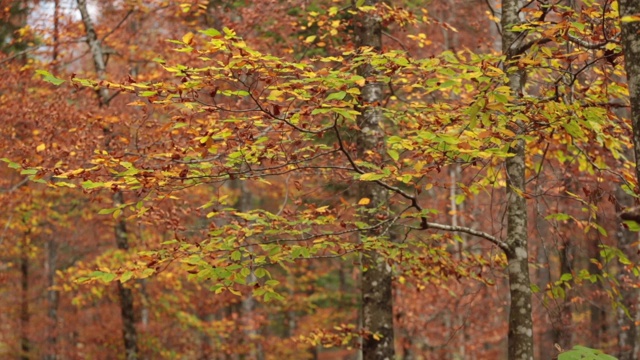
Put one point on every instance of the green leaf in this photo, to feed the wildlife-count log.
(101, 275)
(584, 353)
(91, 185)
(371, 177)
(260, 273)
(210, 32)
(236, 255)
(126, 276)
(633, 226)
(48, 77)
(393, 154)
(106, 211)
(336, 96)
(320, 111)
(558, 217)
(12, 164)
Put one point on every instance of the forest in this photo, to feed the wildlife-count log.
(320, 179)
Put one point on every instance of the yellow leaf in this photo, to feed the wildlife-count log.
(507, 132)
(364, 201)
(322, 209)
(187, 38)
(41, 147)
(428, 186)
(630, 18)
(360, 81)
(310, 39)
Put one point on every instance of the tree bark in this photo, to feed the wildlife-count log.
(129, 333)
(25, 315)
(520, 336)
(248, 304)
(628, 337)
(53, 299)
(377, 303)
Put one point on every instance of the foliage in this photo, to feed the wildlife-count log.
(581, 352)
(237, 157)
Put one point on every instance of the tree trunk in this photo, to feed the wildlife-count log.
(53, 297)
(628, 338)
(129, 333)
(25, 316)
(126, 296)
(248, 304)
(377, 304)
(520, 324)
(562, 326)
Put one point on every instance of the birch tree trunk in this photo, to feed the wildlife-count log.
(377, 303)
(129, 333)
(520, 324)
(628, 336)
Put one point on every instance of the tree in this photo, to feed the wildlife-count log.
(129, 333)
(377, 294)
(277, 105)
(520, 323)
(629, 10)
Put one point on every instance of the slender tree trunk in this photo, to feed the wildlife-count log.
(628, 338)
(129, 333)
(52, 300)
(631, 47)
(520, 323)
(598, 314)
(25, 316)
(561, 328)
(377, 304)
(53, 296)
(56, 33)
(248, 304)
(543, 277)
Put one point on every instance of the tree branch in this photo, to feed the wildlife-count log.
(499, 243)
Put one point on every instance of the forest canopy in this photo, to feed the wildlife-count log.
(320, 179)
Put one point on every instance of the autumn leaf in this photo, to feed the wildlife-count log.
(48, 77)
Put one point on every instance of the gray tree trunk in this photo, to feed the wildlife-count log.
(129, 333)
(520, 324)
(377, 302)
(628, 336)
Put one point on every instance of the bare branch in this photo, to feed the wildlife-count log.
(501, 244)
